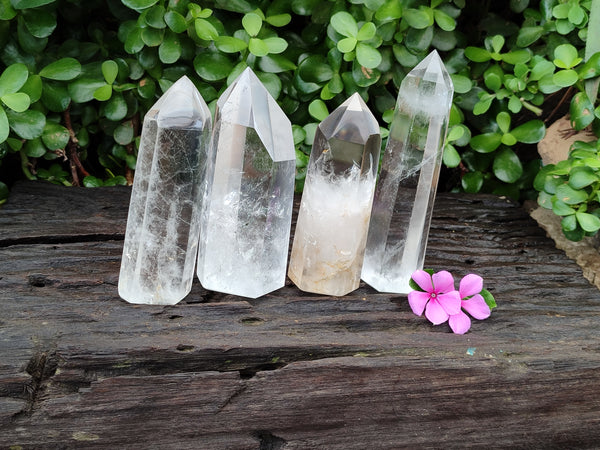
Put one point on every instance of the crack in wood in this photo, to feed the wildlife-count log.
(41, 367)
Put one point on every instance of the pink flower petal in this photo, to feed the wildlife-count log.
(460, 323)
(470, 285)
(450, 302)
(477, 307)
(443, 281)
(417, 301)
(435, 313)
(423, 279)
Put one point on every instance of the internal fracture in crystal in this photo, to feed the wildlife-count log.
(161, 238)
(247, 216)
(408, 180)
(331, 232)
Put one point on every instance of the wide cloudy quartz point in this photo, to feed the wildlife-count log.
(331, 232)
(161, 239)
(408, 180)
(247, 216)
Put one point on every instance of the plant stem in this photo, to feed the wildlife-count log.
(25, 166)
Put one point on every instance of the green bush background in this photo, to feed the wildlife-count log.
(77, 77)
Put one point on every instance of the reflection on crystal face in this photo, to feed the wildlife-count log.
(408, 180)
(332, 226)
(247, 217)
(161, 239)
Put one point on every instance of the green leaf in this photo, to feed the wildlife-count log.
(570, 196)
(212, 66)
(55, 136)
(472, 182)
(345, 24)
(565, 56)
(530, 132)
(39, 23)
(477, 54)
(55, 96)
(318, 109)
(123, 134)
(517, 57)
(116, 108)
(7, 12)
(367, 56)
(275, 45)
(279, 20)
(103, 93)
(271, 82)
(497, 42)
(418, 18)
(205, 30)
(110, 70)
(92, 182)
(541, 68)
(62, 70)
(139, 4)
(507, 166)
(462, 84)
(486, 143)
(152, 37)
(275, 64)
(27, 124)
(175, 21)
(258, 47)
(347, 45)
(565, 78)
(134, 42)
(170, 49)
(508, 139)
(17, 101)
(366, 32)
(228, 44)
(581, 111)
(488, 298)
(34, 148)
(390, 10)
(492, 77)
(589, 222)
(581, 177)
(443, 20)
(26, 4)
(560, 208)
(528, 35)
(314, 69)
(503, 120)
(451, 158)
(13, 78)
(155, 17)
(252, 23)
(569, 222)
(591, 68)
(4, 126)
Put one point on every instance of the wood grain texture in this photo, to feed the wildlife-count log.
(80, 368)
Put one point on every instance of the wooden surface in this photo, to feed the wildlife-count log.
(80, 368)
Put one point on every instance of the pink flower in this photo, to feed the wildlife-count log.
(472, 302)
(439, 299)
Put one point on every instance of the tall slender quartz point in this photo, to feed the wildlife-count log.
(246, 220)
(331, 233)
(161, 239)
(408, 180)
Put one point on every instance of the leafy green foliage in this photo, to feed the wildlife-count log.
(571, 190)
(76, 78)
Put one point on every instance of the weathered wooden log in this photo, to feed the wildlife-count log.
(80, 368)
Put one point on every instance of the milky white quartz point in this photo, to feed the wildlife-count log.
(247, 218)
(408, 180)
(161, 239)
(331, 232)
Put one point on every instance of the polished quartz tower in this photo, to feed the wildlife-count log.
(330, 236)
(408, 180)
(247, 216)
(161, 239)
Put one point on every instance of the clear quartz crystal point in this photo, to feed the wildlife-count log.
(331, 232)
(246, 220)
(408, 180)
(161, 239)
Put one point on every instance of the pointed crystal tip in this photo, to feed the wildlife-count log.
(182, 106)
(352, 121)
(247, 102)
(431, 68)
